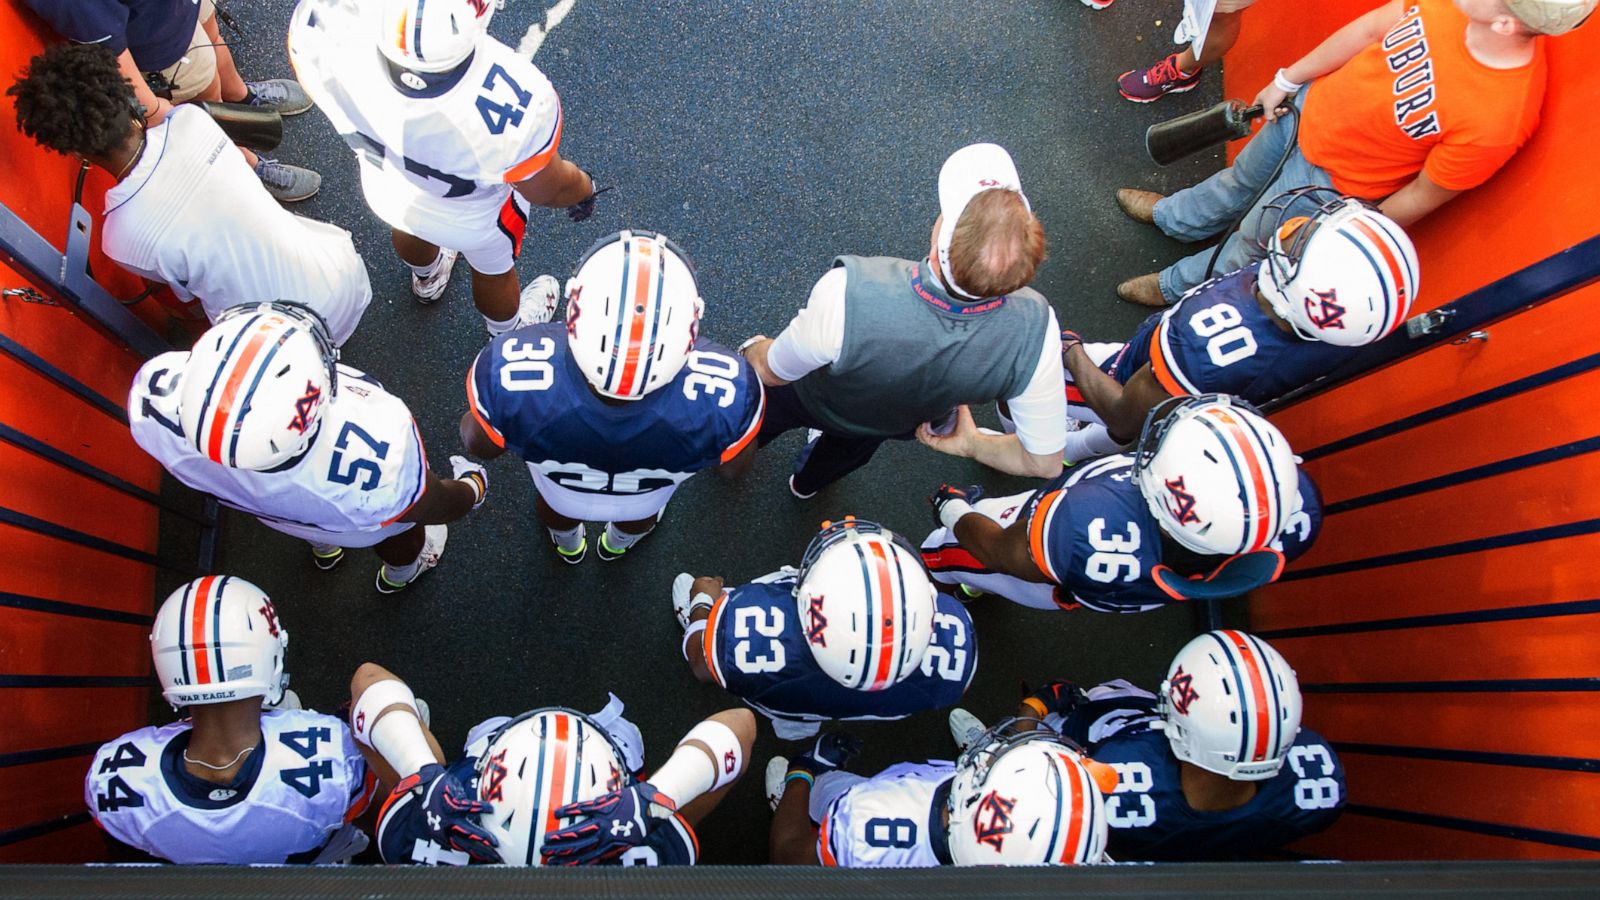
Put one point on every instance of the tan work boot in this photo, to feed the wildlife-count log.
(1143, 291)
(1139, 205)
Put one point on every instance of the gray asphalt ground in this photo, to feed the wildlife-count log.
(765, 137)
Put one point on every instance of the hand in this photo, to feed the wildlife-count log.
(609, 826)
(831, 752)
(451, 811)
(949, 493)
(1057, 696)
(685, 588)
(1069, 339)
(158, 112)
(584, 208)
(1271, 99)
(958, 442)
(474, 475)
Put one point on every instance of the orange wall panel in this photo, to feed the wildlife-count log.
(1545, 799)
(37, 643)
(1530, 648)
(1365, 837)
(42, 790)
(1540, 724)
(75, 844)
(58, 717)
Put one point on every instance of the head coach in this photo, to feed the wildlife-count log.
(885, 346)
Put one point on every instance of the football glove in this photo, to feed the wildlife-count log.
(584, 208)
(831, 752)
(1058, 696)
(476, 477)
(947, 494)
(452, 811)
(608, 826)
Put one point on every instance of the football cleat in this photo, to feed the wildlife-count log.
(965, 728)
(328, 560)
(429, 289)
(574, 556)
(539, 300)
(432, 549)
(777, 768)
(683, 605)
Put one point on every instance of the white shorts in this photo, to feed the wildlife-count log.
(586, 506)
(352, 540)
(490, 243)
(1026, 593)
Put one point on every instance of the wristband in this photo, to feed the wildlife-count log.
(1282, 82)
(952, 511)
(691, 633)
(1034, 704)
(750, 343)
(479, 485)
(797, 775)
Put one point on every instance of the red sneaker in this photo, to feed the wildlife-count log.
(1150, 85)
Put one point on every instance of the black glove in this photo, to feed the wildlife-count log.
(831, 752)
(947, 492)
(1058, 696)
(608, 826)
(584, 208)
(452, 811)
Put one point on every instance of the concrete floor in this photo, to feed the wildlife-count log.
(765, 138)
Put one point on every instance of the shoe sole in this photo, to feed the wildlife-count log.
(1178, 90)
(314, 191)
(583, 553)
(328, 563)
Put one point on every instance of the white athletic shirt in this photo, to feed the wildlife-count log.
(192, 214)
(815, 338)
(365, 467)
(299, 787)
(451, 156)
(884, 821)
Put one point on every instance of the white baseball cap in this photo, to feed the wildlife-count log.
(969, 172)
(1552, 16)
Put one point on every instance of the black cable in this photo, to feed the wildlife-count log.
(1294, 141)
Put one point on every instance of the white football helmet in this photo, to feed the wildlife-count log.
(256, 384)
(537, 763)
(217, 639)
(1219, 478)
(633, 313)
(1231, 705)
(1345, 275)
(1027, 799)
(866, 604)
(432, 35)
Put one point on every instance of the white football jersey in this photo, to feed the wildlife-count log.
(192, 214)
(365, 467)
(450, 152)
(885, 821)
(292, 795)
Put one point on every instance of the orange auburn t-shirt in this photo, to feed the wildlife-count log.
(1418, 100)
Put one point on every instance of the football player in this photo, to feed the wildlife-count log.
(616, 408)
(1210, 506)
(857, 632)
(248, 777)
(1014, 798)
(456, 135)
(550, 787)
(260, 415)
(1217, 767)
(1342, 278)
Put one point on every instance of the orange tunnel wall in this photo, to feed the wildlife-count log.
(74, 656)
(1445, 624)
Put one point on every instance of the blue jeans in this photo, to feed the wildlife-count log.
(1199, 212)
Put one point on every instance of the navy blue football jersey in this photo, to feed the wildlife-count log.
(1218, 339)
(403, 836)
(1151, 820)
(756, 647)
(1091, 532)
(529, 396)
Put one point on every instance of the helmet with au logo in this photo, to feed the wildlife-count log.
(218, 639)
(1344, 275)
(866, 604)
(1218, 477)
(256, 384)
(1027, 798)
(633, 313)
(1231, 705)
(537, 763)
(432, 35)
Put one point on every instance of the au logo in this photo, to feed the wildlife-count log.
(1325, 311)
(494, 776)
(1182, 501)
(816, 623)
(479, 6)
(304, 407)
(992, 822)
(1181, 689)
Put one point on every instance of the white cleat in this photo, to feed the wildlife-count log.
(777, 767)
(965, 728)
(429, 289)
(539, 300)
(432, 549)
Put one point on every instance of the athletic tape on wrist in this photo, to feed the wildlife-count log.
(693, 633)
(479, 485)
(367, 709)
(952, 511)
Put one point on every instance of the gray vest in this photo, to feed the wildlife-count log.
(909, 358)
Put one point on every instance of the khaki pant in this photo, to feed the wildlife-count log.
(195, 71)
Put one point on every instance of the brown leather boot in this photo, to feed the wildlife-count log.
(1143, 291)
(1139, 205)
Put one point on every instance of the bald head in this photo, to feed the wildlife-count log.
(997, 245)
